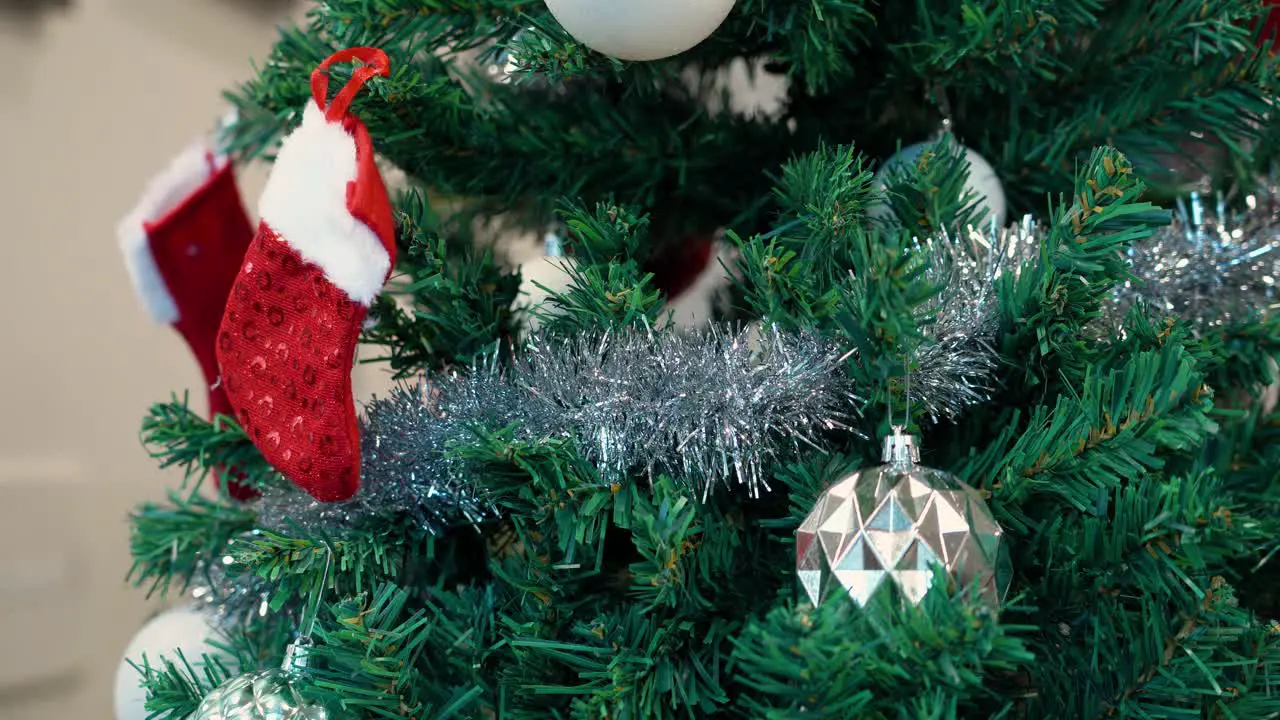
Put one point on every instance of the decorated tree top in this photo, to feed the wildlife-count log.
(1032, 86)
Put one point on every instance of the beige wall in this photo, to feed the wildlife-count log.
(94, 97)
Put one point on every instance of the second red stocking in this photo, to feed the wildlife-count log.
(183, 244)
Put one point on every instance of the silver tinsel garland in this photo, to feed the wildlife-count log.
(955, 368)
(405, 469)
(1212, 266)
(711, 409)
(231, 600)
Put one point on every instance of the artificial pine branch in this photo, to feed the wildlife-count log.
(1013, 48)
(608, 289)
(299, 568)
(443, 309)
(1230, 644)
(1217, 663)
(547, 480)
(1050, 304)
(369, 659)
(1122, 424)
(931, 196)
(1245, 353)
(826, 267)
(823, 198)
(1143, 597)
(813, 40)
(171, 543)
(1157, 74)
(175, 688)
(176, 436)
(838, 661)
(633, 664)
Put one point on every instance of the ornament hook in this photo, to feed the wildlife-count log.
(296, 655)
(900, 448)
(946, 125)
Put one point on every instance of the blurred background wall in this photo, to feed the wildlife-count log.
(95, 97)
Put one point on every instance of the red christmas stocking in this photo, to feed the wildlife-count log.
(1270, 34)
(675, 270)
(324, 248)
(183, 244)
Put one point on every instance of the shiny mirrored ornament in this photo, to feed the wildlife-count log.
(893, 526)
(265, 695)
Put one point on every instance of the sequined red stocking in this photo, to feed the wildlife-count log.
(324, 248)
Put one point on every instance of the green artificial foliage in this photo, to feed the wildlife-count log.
(1136, 473)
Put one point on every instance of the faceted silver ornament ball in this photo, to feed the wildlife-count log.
(894, 524)
(266, 695)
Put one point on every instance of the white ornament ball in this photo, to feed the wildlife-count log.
(983, 182)
(542, 277)
(505, 64)
(184, 628)
(640, 29)
(693, 309)
(1271, 395)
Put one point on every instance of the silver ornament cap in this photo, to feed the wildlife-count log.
(893, 525)
(900, 449)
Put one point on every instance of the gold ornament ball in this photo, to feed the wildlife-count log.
(893, 525)
(266, 695)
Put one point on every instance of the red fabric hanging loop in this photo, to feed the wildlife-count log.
(376, 64)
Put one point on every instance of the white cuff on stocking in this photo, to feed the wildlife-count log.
(163, 194)
(305, 202)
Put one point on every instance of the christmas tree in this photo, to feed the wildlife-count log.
(1061, 287)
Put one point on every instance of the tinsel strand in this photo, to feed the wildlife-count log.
(955, 367)
(1212, 266)
(711, 409)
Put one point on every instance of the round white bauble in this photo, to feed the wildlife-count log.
(503, 67)
(184, 628)
(541, 278)
(640, 29)
(1271, 395)
(694, 308)
(983, 182)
